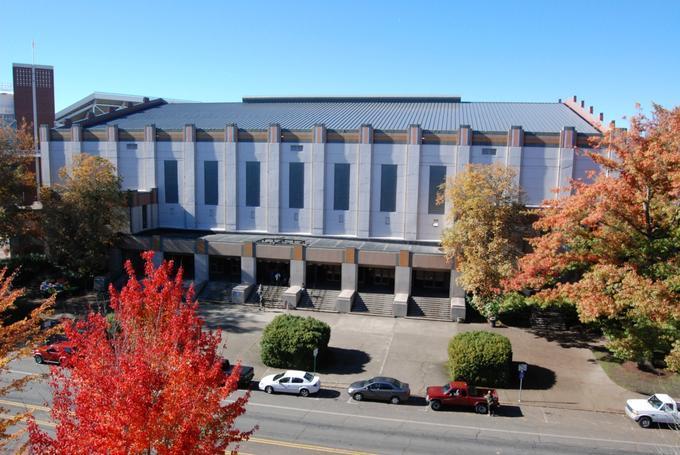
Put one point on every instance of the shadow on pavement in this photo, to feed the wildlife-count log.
(509, 411)
(215, 318)
(416, 400)
(576, 337)
(323, 393)
(344, 361)
(536, 378)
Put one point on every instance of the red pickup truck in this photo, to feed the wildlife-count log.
(458, 393)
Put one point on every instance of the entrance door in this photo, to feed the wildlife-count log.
(272, 272)
(376, 279)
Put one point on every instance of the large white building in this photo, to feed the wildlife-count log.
(336, 194)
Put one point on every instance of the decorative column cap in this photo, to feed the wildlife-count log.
(112, 133)
(150, 133)
(568, 137)
(230, 132)
(319, 133)
(190, 132)
(274, 133)
(415, 135)
(465, 135)
(76, 133)
(366, 134)
(515, 136)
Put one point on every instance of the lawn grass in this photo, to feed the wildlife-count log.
(629, 376)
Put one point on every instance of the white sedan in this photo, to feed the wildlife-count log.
(291, 381)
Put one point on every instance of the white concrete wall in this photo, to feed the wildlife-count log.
(130, 165)
(340, 222)
(433, 155)
(57, 160)
(538, 176)
(387, 224)
(252, 218)
(170, 215)
(295, 220)
(210, 216)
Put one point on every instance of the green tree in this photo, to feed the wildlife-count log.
(612, 247)
(485, 230)
(17, 179)
(82, 216)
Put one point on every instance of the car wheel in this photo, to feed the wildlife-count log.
(358, 397)
(38, 359)
(395, 400)
(269, 389)
(645, 422)
(304, 392)
(436, 405)
(481, 408)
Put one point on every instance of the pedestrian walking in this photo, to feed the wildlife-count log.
(259, 296)
(489, 402)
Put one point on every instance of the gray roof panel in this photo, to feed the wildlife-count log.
(349, 115)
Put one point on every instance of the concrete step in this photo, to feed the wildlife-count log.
(437, 308)
(373, 304)
(271, 296)
(216, 292)
(318, 300)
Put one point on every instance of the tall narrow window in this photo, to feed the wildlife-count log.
(296, 185)
(437, 177)
(388, 188)
(341, 187)
(210, 182)
(145, 217)
(252, 183)
(171, 187)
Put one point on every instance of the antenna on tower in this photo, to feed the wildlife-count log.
(36, 139)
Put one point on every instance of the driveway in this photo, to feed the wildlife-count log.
(560, 374)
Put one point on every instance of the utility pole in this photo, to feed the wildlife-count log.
(36, 139)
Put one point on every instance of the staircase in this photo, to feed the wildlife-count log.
(438, 308)
(216, 292)
(271, 296)
(318, 300)
(373, 304)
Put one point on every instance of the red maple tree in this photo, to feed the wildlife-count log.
(149, 380)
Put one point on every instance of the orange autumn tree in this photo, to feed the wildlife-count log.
(149, 382)
(612, 247)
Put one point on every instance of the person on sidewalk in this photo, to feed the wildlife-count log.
(259, 297)
(490, 402)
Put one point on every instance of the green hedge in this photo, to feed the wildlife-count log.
(480, 358)
(289, 341)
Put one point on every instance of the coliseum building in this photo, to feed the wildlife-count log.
(329, 202)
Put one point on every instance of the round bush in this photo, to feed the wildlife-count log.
(480, 358)
(289, 341)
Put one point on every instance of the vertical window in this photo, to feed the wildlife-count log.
(388, 188)
(145, 217)
(437, 177)
(210, 182)
(252, 183)
(296, 185)
(341, 187)
(171, 188)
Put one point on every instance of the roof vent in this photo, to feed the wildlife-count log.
(145, 99)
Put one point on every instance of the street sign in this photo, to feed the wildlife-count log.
(521, 374)
(522, 367)
(315, 352)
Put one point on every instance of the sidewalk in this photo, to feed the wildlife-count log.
(415, 351)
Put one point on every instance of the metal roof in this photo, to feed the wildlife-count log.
(388, 113)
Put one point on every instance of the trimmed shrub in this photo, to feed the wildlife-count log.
(289, 341)
(515, 310)
(480, 358)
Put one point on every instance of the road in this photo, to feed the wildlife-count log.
(333, 423)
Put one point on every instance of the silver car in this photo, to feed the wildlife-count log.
(380, 388)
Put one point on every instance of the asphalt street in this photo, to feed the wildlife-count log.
(333, 423)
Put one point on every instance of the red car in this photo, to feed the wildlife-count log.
(458, 393)
(55, 352)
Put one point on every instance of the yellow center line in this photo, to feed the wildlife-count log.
(255, 440)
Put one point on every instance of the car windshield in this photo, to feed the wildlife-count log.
(446, 388)
(309, 377)
(278, 376)
(654, 401)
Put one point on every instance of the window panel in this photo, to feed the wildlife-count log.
(341, 187)
(171, 187)
(211, 192)
(252, 183)
(437, 177)
(388, 188)
(296, 185)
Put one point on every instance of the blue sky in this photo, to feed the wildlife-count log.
(610, 53)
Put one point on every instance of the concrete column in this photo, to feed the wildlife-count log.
(248, 263)
(45, 170)
(157, 247)
(513, 152)
(188, 189)
(348, 281)
(73, 147)
(565, 160)
(464, 148)
(318, 177)
(364, 169)
(230, 176)
(149, 178)
(402, 284)
(457, 297)
(298, 267)
(201, 265)
(273, 189)
(412, 175)
(110, 151)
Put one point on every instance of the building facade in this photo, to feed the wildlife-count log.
(23, 93)
(336, 194)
